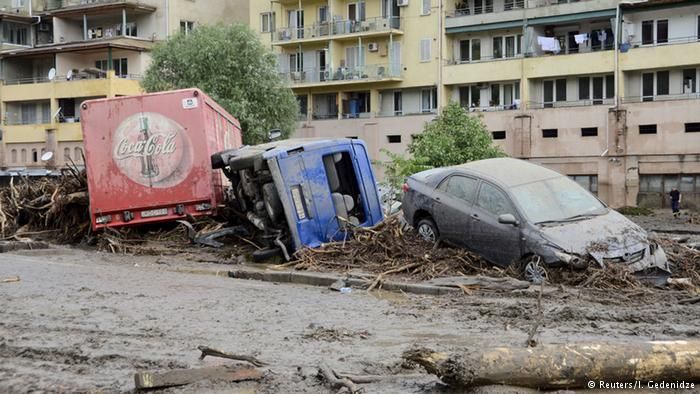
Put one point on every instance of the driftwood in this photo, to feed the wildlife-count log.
(11, 279)
(564, 366)
(180, 377)
(335, 381)
(207, 351)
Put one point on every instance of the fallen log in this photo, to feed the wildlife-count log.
(180, 377)
(207, 351)
(564, 366)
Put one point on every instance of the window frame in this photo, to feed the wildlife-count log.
(426, 49)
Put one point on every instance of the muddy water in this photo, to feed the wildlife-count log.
(81, 320)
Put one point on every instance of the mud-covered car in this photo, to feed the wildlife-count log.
(301, 192)
(512, 211)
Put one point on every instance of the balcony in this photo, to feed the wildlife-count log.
(25, 133)
(83, 4)
(39, 88)
(548, 66)
(344, 29)
(12, 7)
(569, 104)
(677, 52)
(665, 97)
(486, 69)
(472, 13)
(344, 75)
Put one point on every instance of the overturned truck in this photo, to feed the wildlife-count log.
(301, 192)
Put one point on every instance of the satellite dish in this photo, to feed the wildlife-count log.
(47, 156)
(69, 75)
(52, 74)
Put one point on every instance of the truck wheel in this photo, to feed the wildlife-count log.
(427, 229)
(266, 254)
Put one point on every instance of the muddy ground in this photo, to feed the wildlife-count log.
(79, 320)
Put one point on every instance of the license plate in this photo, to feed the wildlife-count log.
(154, 212)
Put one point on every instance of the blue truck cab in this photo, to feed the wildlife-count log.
(302, 192)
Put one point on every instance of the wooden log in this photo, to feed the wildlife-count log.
(180, 377)
(565, 366)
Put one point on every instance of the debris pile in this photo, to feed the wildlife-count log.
(685, 261)
(391, 248)
(56, 208)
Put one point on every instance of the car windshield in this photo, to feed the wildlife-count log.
(556, 200)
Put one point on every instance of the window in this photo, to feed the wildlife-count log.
(323, 14)
(475, 96)
(426, 7)
(35, 156)
(598, 90)
(662, 82)
(66, 155)
(495, 95)
(609, 86)
(398, 103)
(584, 91)
(662, 31)
(548, 94)
(186, 27)
(647, 32)
(23, 155)
(13, 154)
(120, 66)
(648, 87)
(344, 186)
(429, 100)
(78, 154)
(461, 187)
(425, 49)
(589, 131)
(561, 89)
(464, 51)
(692, 127)
(493, 200)
(464, 96)
(488, 6)
(499, 135)
(267, 22)
(550, 133)
(647, 129)
(510, 46)
(588, 182)
(296, 62)
(519, 44)
(15, 33)
(394, 139)
(497, 47)
(28, 113)
(476, 49)
(572, 45)
(689, 81)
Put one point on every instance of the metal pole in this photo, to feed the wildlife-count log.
(617, 55)
(85, 29)
(123, 21)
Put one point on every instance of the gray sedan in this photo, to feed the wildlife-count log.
(512, 211)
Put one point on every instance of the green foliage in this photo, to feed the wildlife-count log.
(231, 65)
(454, 137)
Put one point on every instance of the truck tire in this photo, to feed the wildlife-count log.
(262, 255)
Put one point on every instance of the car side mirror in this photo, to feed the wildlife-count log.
(508, 219)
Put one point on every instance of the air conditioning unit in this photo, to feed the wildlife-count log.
(373, 47)
(402, 3)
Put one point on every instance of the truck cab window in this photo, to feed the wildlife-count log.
(344, 187)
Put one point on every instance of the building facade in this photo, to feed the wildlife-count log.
(55, 54)
(544, 75)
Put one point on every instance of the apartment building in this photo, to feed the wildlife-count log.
(560, 82)
(55, 54)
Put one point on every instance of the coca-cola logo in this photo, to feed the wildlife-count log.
(152, 150)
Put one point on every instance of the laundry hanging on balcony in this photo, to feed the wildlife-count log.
(549, 44)
(581, 38)
(602, 35)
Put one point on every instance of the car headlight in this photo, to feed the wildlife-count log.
(565, 257)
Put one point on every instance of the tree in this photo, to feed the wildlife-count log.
(231, 65)
(454, 137)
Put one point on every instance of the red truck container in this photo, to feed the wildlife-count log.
(148, 157)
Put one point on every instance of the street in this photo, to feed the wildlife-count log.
(85, 321)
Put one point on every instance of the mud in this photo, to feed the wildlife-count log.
(85, 321)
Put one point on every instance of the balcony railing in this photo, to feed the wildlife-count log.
(57, 4)
(76, 77)
(664, 97)
(336, 28)
(11, 6)
(668, 41)
(569, 104)
(359, 73)
(465, 9)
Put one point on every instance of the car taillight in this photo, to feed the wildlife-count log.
(405, 187)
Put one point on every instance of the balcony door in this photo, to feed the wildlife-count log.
(322, 62)
(296, 23)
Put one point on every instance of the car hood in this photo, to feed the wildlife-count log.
(607, 235)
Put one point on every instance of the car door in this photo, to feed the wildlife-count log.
(499, 243)
(454, 198)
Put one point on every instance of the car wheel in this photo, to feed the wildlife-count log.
(427, 229)
(533, 270)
